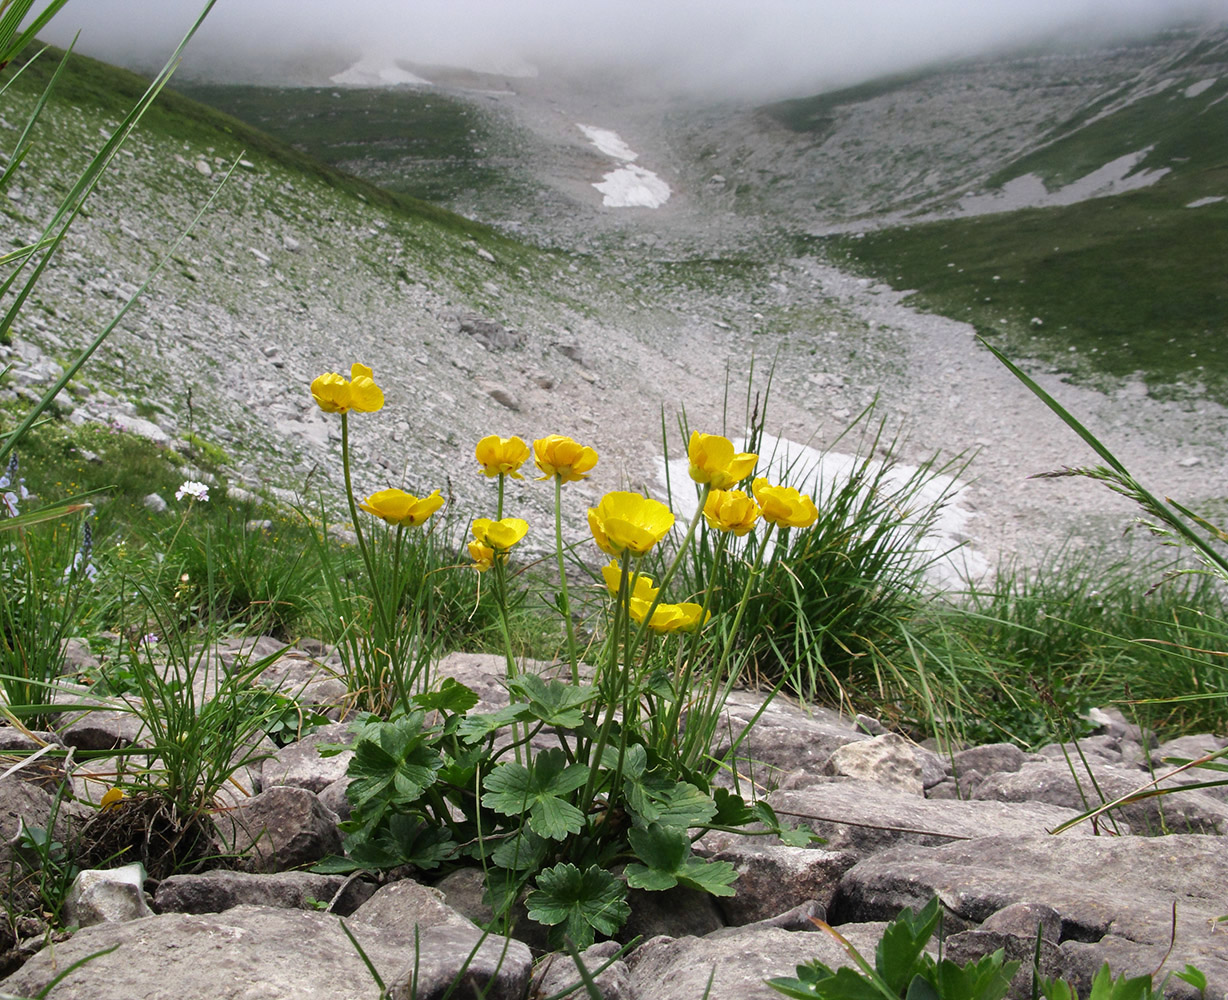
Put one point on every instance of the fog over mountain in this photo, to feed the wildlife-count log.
(755, 47)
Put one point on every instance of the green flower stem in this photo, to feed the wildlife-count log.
(564, 605)
(381, 610)
(499, 507)
(683, 682)
(731, 637)
(673, 568)
(611, 672)
(500, 570)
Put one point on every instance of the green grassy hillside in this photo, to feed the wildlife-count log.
(1123, 284)
(420, 143)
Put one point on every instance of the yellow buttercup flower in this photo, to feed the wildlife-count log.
(670, 617)
(624, 521)
(731, 510)
(644, 588)
(483, 556)
(500, 535)
(401, 508)
(501, 456)
(334, 393)
(784, 506)
(561, 457)
(714, 461)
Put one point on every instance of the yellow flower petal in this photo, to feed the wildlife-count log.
(643, 590)
(784, 506)
(629, 521)
(401, 508)
(500, 535)
(561, 457)
(731, 510)
(336, 394)
(501, 456)
(483, 556)
(712, 460)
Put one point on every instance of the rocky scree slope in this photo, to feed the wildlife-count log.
(902, 823)
(296, 271)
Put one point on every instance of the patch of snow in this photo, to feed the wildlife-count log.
(608, 142)
(376, 71)
(1197, 88)
(629, 186)
(950, 562)
(1029, 191)
(633, 187)
(1200, 202)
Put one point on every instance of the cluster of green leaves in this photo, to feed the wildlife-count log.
(827, 613)
(903, 970)
(445, 785)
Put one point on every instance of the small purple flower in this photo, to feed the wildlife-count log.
(193, 489)
(81, 563)
(12, 489)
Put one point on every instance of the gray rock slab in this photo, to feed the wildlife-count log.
(785, 739)
(557, 972)
(110, 895)
(886, 760)
(300, 764)
(246, 953)
(282, 828)
(1055, 782)
(864, 818)
(738, 960)
(451, 946)
(1116, 892)
(216, 891)
(773, 879)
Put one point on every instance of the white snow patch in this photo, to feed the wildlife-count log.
(633, 187)
(1210, 200)
(608, 142)
(629, 186)
(376, 71)
(1194, 89)
(951, 563)
(1029, 191)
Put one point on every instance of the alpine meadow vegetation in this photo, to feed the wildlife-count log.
(619, 649)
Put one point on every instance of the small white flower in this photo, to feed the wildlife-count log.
(193, 489)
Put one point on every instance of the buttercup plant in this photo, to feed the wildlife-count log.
(627, 775)
(378, 665)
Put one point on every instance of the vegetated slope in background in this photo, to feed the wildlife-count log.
(296, 269)
(1125, 284)
(912, 142)
(411, 140)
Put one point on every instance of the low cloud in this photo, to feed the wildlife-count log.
(755, 47)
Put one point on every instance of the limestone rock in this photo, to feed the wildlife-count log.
(885, 760)
(1113, 893)
(300, 764)
(216, 891)
(864, 818)
(107, 896)
(280, 828)
(773, 879)
(498, 967)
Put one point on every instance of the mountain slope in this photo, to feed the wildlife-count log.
(299, 269)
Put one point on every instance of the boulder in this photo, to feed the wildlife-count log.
(773, 879)
(452, 948)
(1114, 893)
(216, 891)
(280, 828)
(107, 896)
(246, 953)
(864, 818)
